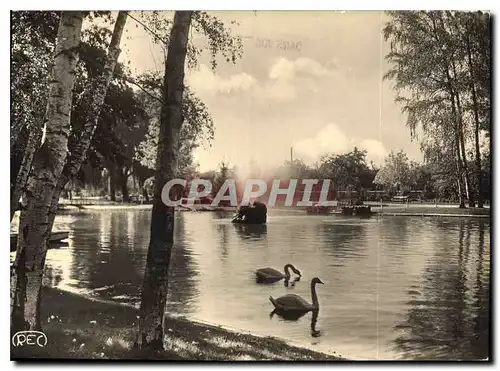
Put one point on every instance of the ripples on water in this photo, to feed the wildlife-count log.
(395, 288)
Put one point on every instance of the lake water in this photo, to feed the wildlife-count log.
(395, 287)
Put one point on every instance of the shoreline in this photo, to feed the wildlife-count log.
(84, 328)
(431, 211)
(440, 215)
(392, 210)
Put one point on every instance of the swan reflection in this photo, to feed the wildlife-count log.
(294, 316)
(314, 320)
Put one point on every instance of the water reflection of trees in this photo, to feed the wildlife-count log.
(482, 293)
(52, 275)
(108, 257)
(86, 247)
(396, 231)
(342, 241)
(222, 229)
(183, 275)
(450, 320)
(110, 254)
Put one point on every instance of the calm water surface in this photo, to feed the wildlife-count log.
(395, 288)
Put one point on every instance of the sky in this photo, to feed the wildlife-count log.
(308, 80)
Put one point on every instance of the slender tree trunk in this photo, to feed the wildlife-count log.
(460, 170)
(460, 174)
(475, 108)
(22, 176)
(460, 193)
(461, 130)
(155, 283)
(16, 159)
(112, 183)
(26, 278)
(145, 194)
(98, 93)
(461, 198)
(134, 184)
(123, 179)
(470, 192)
(15, 132)
(456, 126)
(479, 170)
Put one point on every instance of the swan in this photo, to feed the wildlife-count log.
(294, 303)
(273, 275)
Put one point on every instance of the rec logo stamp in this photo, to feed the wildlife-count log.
(29, 338)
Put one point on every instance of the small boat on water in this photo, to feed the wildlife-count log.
(319, 209)
(342, 209)
(55, 238)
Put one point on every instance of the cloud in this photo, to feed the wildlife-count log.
(285, 79)
(376, 150)
(327, 140)
(205, 80)
(331, 139)
(284, 69)
(277, 91)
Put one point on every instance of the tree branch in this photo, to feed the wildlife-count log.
(159, 38)
(130, 80)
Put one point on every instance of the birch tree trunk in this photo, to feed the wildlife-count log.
(26, 277)
(155, 283)
(98, 93)
(34, 139)
(15, 131)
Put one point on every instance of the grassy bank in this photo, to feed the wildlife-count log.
(80, 328)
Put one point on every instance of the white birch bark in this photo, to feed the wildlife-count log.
(34, 139)
(98, 93)
(47, 167)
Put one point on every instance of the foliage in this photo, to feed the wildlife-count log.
(345, 170)
(198, 127)
(126, 136)
(441, 69)
(295, 169)
(396, 172)
(33, 40)
(223, 173)
(220, 41)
